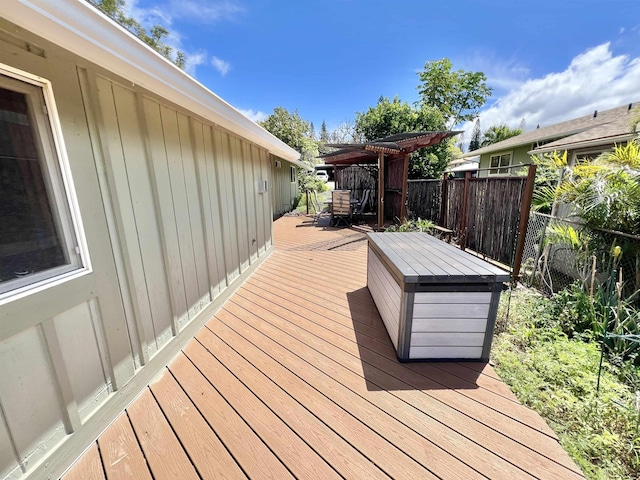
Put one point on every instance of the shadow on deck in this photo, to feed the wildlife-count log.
(295, 377)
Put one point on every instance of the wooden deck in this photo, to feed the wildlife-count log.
(295, 377)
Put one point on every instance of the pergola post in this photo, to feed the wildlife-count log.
(380, 190)
(405, 180)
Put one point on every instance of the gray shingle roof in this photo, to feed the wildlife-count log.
(607, 124)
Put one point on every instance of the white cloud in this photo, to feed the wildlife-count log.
(501, 74)
(193, 59)
(255, 116)
(202, 11)
(595, 80)
(205, 11)
(220, 65)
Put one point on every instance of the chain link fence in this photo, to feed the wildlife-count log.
(559, 251)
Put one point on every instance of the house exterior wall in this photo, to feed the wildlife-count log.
(283, 191)
(519, 156)
(174, 220)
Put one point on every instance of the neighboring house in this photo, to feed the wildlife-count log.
(460, 166)
(132, 202)
(583, 137)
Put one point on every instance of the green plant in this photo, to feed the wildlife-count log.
(309, 182)
(418, 225)
(556, 375)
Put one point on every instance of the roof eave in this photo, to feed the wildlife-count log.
(584, 144)
(79, 28)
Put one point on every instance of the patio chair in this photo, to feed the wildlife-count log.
(318, 208)
(341, 207)
(361, 205)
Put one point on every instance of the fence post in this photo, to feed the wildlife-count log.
(307, 193)
(443, 201)
(524, 220)
(463, 219)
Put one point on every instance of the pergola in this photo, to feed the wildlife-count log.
(392, 157)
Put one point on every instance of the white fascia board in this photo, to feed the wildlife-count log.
(81, 29)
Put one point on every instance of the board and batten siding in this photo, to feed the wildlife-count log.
(386, 294)
(174, 219)
(284, 191)
(449, 324)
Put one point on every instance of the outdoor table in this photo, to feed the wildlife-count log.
(437, 302)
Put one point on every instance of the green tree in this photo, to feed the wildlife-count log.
(498, 133)
(474, 144)
(324, 134)
(459, 95)
(390, 117)
(293, 130)
(154, 37)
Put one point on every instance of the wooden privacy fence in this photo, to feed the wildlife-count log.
(487, 215)
(358, 179)
(424, 198)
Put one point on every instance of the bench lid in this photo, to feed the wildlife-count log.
(417, 257)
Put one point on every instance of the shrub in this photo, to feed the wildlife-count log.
(557, 375)
(418, 225)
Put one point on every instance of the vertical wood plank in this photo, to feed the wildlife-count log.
(163, 452)
(204, 199)
(260, 198)
(110, 346)
(89, 467)
(121, 455)
(121, 197)
(9, 466)
(181, 210)
(225, 187)
(265, 166)
(214, 200)
(147, 232)
(251, 192)
(30, 399)
(194, 214)
(240, 202)
(162, 184)
(68, 405)
(81, 352)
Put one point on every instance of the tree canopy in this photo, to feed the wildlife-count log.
(293, 130)
(390, 117)
(498, 133)
(476, 137)
(459, 94)
(154, 37)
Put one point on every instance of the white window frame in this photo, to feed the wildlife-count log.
(497, 169)
(57, 175)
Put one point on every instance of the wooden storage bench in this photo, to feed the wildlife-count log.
(436, 301)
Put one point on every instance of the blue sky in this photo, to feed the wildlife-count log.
(547, 60)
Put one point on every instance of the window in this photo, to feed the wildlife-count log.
(37, 237)
(292, 174)
(497, 161)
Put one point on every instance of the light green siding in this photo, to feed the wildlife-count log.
(284, 190)
(519, 156)
(175, 217)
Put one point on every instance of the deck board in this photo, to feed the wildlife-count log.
(122, 457)
(89, 467)
(296, 377)
(166, 458)
(209, 455)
